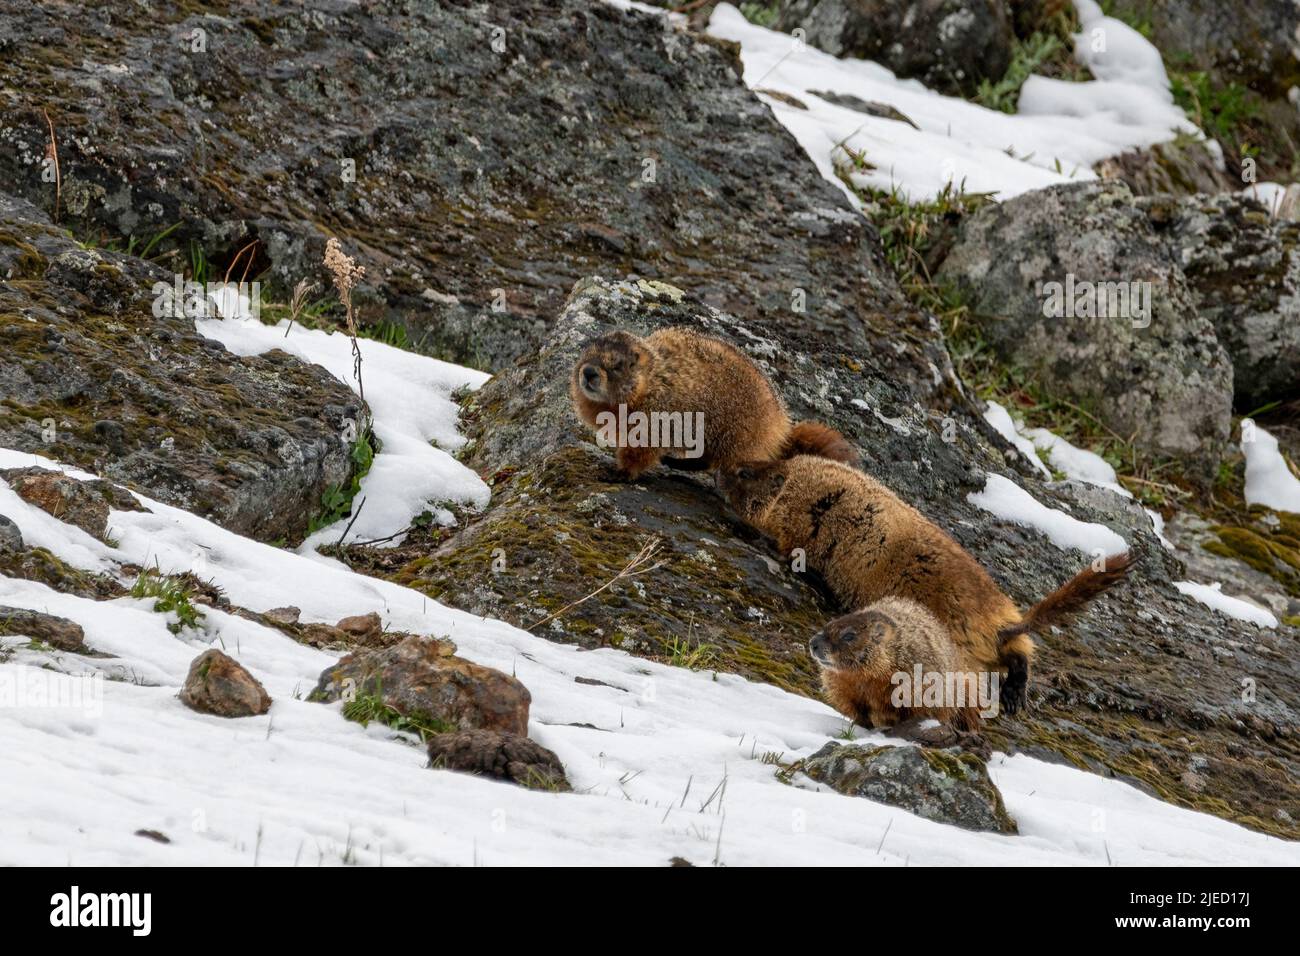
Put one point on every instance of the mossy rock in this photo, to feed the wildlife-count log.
(947, 786)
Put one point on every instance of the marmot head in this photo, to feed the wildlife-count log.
(751, 486)
(612, 369)
(852, 640)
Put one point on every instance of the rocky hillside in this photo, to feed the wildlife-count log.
(515, 178)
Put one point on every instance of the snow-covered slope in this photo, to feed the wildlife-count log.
(302, 785)
(1061, 131)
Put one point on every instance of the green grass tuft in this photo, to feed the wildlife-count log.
(172, 595)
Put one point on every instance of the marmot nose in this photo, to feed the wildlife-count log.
(590, 376)
(817, 646)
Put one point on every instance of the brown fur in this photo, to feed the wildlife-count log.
(678, 370)
(861, 652)
(868, 544)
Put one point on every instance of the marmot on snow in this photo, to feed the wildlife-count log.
(868, 544)
(860, 654)
(708, 405)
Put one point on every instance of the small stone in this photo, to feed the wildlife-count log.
(58, 632)
(361, 625)
(283, 615)
(218, 684)
(11, 539)
(501, 756)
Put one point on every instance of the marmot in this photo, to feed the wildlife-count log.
(860, 654)
(708, 405)
(868, 544)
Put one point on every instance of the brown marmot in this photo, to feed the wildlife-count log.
(896, 644)
(868, 544)
(704, 405)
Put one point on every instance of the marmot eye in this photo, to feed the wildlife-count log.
(848, 636)
(745, 474)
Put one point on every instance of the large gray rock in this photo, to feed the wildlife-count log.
(92, 377)
(950, 45)
(940, 785)
(1154, 372)
(501, 152)
(1244, 269)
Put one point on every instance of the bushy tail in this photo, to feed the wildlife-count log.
(1070, 598)
(814, 438)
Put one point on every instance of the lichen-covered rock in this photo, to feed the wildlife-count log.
(666, 162)
(84, 504)
(1074, 283)
(1244, 269)
(501, 756)
(946, 786)
(422, 680)
(218, 684)
(58, 632)
(950, 45)
(92, 377)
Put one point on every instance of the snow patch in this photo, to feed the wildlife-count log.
(1004, 499)
(1004, 425)
(1062, 130)
(1269, 481)
(1211, 595)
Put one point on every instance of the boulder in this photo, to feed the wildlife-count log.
(470, 238)
(947, 786)
(501, 756)
(423, 681)
(58, 632)
(949, 45)
(1244, 271)
(1075, 284)
(94, 378)
(220, 685)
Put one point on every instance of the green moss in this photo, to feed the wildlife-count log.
(1275, 552)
